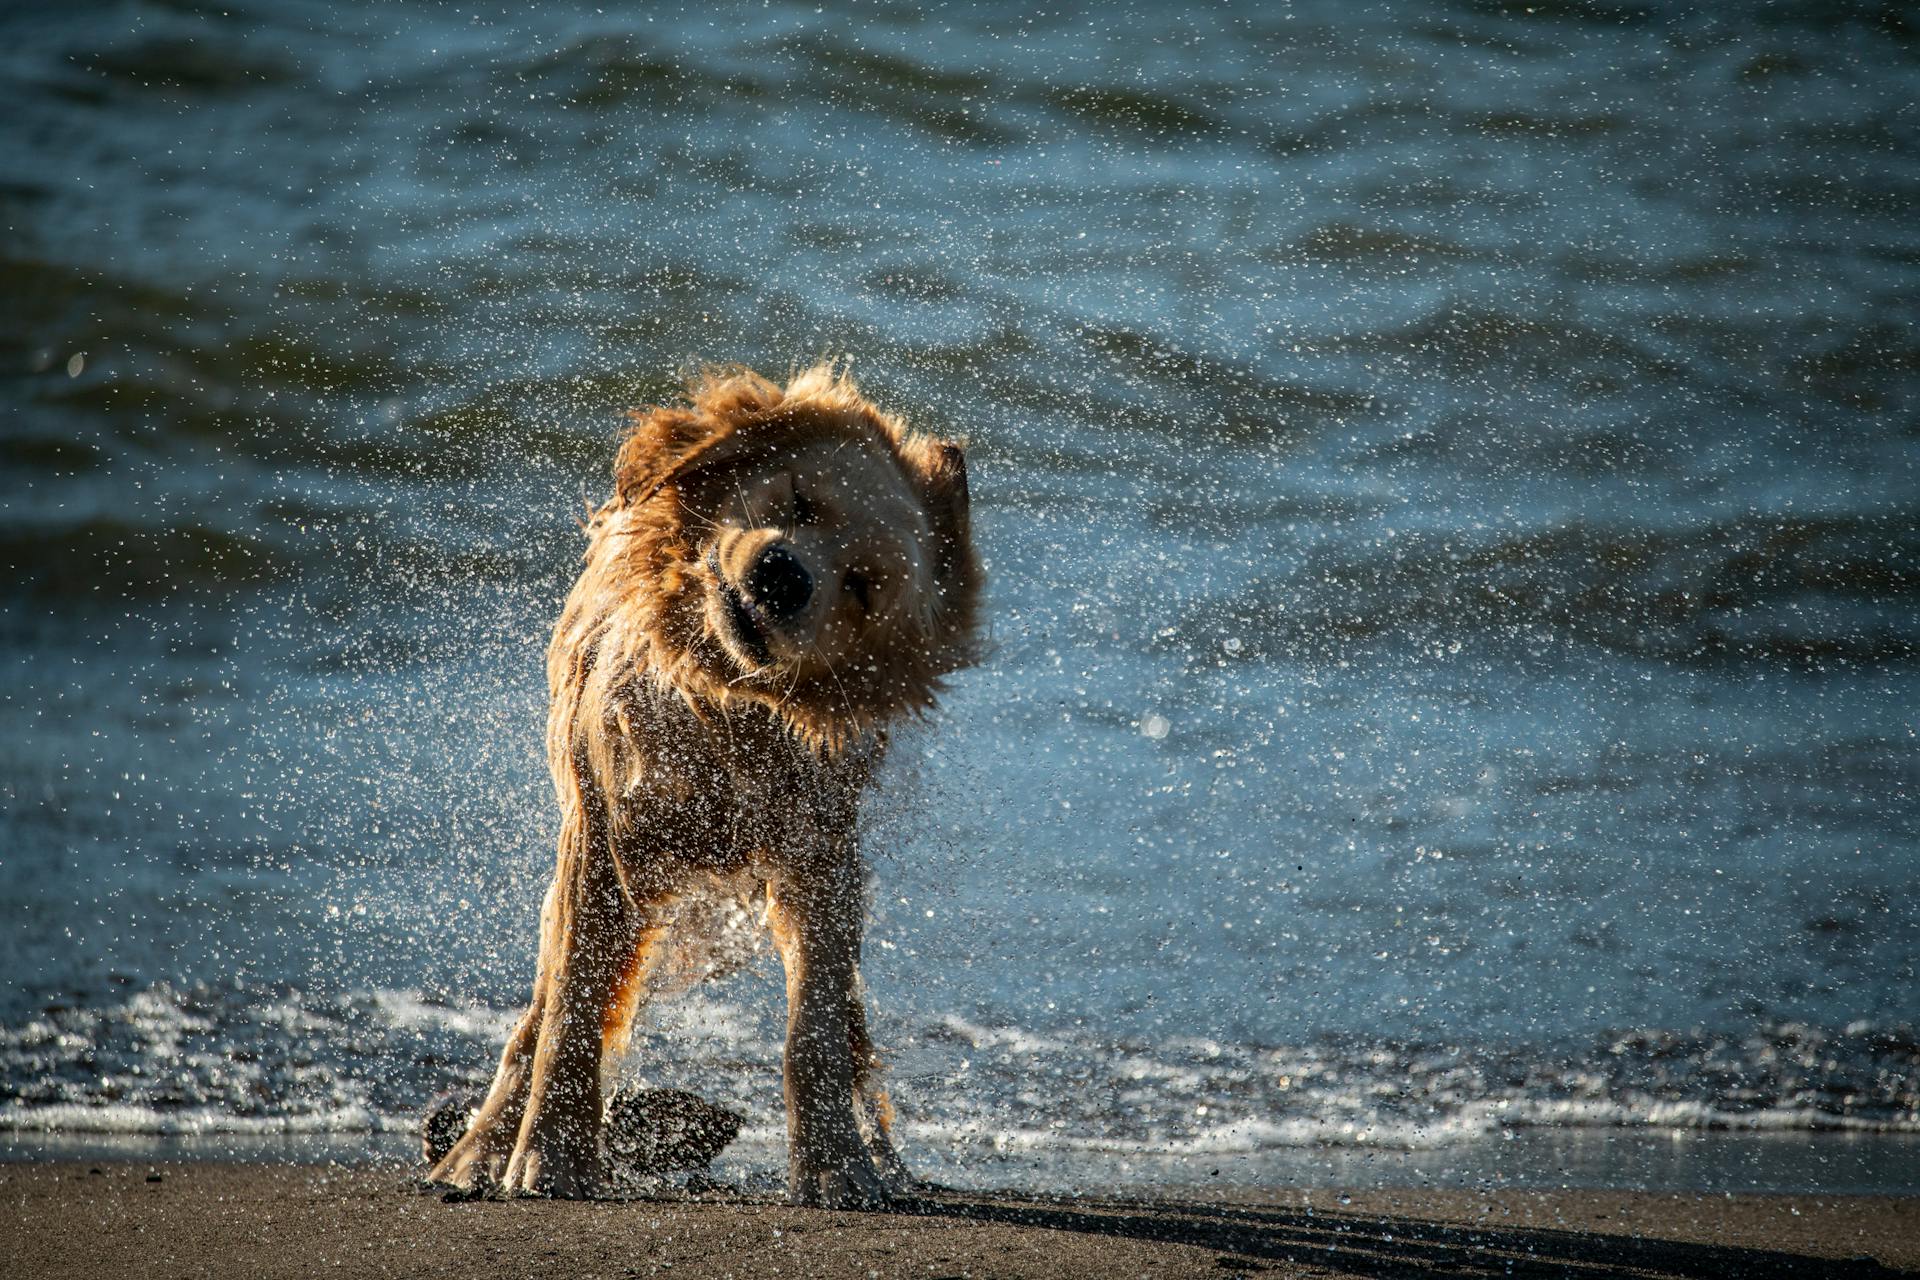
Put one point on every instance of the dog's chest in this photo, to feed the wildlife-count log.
(734, 794)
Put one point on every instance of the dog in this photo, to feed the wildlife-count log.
(780, 575)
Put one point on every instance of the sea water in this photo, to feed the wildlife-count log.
(1447, 477)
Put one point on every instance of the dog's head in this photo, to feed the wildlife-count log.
(804, 550)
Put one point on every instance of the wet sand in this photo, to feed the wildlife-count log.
(120, 1218)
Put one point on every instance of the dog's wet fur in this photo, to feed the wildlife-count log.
(781, 573)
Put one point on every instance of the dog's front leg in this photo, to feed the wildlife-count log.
(591, 939)
(479, 1159)
(815, 914)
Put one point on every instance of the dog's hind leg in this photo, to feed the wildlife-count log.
(815, 915)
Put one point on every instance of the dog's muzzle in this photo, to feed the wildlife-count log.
(778, 584)
(743, 629)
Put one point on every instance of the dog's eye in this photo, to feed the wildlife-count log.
(802, 509)
(857, 586)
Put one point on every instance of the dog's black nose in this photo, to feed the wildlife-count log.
(778, 583)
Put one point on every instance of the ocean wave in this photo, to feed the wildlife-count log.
(183, 1061)
(118, 559)
(1774, 587)
(129, 1118)
(1477, 340)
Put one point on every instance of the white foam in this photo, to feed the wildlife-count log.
(1607, 1113)
(1018, 1039)
(122, 1118)
(409, 1010)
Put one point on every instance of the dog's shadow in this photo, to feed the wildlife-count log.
(1254, 1239)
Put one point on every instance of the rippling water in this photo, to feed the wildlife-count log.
(1447, 475)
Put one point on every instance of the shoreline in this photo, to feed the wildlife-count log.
(1581, 1159)
(232, 1219)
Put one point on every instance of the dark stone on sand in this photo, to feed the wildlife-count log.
(651, 1131)
(648, 1131)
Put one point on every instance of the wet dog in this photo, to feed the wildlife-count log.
(781, 573)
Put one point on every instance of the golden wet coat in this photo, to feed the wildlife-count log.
(780, 574)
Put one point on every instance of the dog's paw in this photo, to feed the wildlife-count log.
(853, 1184)
(472, 1166)
(893, 1172)
(901, 1184)
(557, 1170)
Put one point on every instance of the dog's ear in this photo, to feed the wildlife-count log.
(664, 442)
(941, 467)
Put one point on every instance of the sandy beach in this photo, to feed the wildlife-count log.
(136, 1219)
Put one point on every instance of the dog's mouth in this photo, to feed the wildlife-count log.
(743, 631)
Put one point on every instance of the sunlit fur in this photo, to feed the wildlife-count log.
(698, 740)
(687, 476)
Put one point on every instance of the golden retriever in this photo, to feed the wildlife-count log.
(780, 574)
